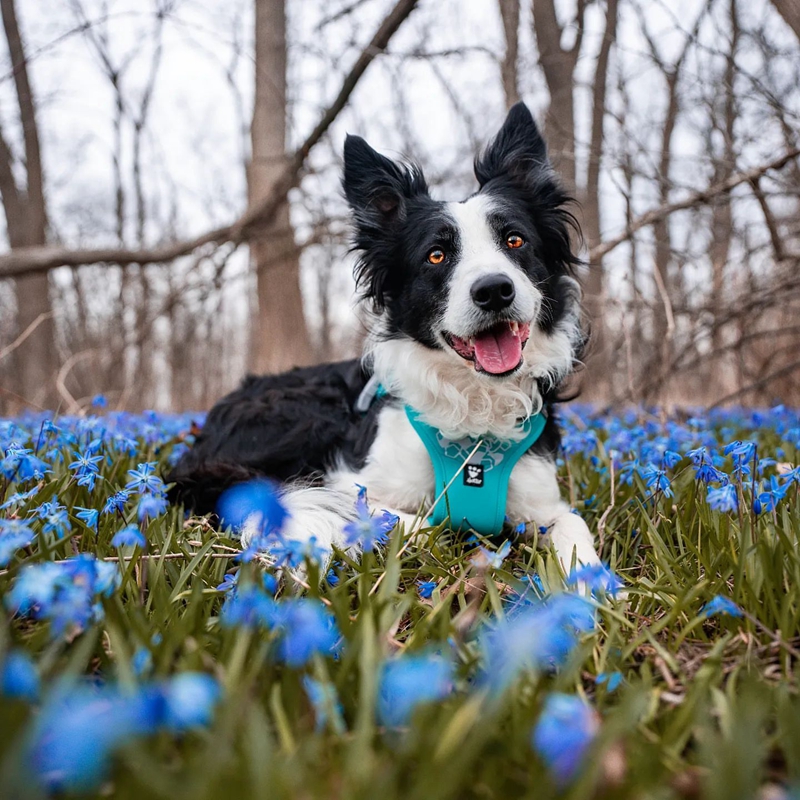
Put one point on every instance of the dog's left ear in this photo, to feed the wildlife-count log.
(516, 151)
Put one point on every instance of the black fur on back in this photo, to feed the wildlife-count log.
(285, 427)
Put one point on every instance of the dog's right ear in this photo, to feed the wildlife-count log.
(376, 187)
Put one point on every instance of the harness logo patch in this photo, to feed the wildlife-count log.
(473, 475)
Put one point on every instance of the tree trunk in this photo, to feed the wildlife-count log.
(26, 220)
(790, 11)
(558, 66)
(509, 13)
(280, 336)
(595, 301)
(592, 199)
(721, 212)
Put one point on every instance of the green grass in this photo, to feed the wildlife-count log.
(708, 706)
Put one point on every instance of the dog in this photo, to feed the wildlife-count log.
(475, 325)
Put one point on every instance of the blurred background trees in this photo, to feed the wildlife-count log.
(169, 176)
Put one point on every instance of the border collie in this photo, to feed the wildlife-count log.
(476, 324)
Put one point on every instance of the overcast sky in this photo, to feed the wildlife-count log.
(440, 109)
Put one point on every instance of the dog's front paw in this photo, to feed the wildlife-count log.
(572, 541)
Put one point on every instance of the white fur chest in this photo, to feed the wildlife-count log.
(398, 473)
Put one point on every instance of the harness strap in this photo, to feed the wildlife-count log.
(477, 497)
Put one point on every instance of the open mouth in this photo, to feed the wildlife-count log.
(497, 350)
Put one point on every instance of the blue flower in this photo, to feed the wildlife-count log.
(293, 553)
(367, 530)
(129, 536)
(56, 519)
(14, 534)
(65, 593)
(143, 479)
(611, 680)
(85, 467)
(770, 497)
(540, 636)
(486, 558)
(721, 605)
(657, 480)
(598, 577)
(229, 582)
(325, 702)
(142, 662)
(256, 503)
(99, 401)
(742, 450)
(563, 734)
(18, 677)
(307, 627)
(699, 456)
(115, 503)
(426, 588)
(671, 459)
(190, 699)
(792, 476)
(18, 498)
(249, 607)
(88, 516)
(725, 498)
(31, 468)
(409, 681)
(151, 506)
(80, 728)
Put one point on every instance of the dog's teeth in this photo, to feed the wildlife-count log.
(514, 328)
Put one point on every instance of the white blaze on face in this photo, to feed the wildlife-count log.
(480, 255)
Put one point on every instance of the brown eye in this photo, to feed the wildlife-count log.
(514, 240)
(436, 256)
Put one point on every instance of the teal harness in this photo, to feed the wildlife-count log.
(471, 474)
(473, 494)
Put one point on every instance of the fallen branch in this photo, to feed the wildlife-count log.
(25, 334)
(695, 199)
(29, 260)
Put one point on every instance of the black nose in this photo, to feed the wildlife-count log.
(493, 292)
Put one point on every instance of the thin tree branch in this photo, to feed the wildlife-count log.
(25, 334)
(41, 259)
(694, 199)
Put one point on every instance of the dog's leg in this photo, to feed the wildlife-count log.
(533, 496)
(321, 514)
(313, 513)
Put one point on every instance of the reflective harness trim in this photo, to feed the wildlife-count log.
(476, 498)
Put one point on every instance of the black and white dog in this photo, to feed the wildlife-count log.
(476, 324)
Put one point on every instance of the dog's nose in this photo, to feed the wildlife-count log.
(493, 292)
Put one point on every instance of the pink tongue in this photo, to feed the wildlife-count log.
(498, 350)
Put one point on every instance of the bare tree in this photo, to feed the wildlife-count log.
(280, 335)
(509, 13)
(591, 197)
(26, 224)
(558, 64)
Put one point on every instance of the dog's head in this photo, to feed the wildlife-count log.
(487, 280)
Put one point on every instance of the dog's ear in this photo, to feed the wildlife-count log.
(376, 187)
(516, 151)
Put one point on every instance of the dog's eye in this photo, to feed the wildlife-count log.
(514, 240)
(436, 256)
